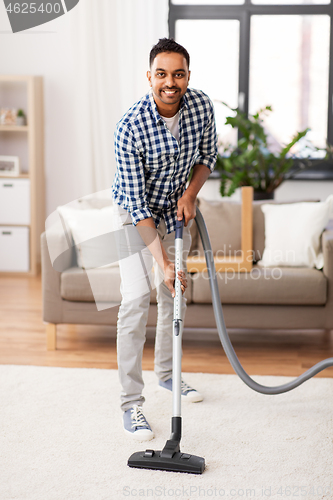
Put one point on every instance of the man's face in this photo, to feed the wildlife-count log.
(168, 77)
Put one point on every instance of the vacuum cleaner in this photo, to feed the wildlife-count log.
(171, 458)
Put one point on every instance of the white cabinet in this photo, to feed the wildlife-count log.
(15, 201)
(14, 249)
(22, 204)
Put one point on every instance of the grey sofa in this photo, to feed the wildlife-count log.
(299, 298)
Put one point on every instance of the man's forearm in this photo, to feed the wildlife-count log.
(186, 204)
(149, 234)
(198, 179)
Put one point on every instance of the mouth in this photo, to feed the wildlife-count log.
(169, 93)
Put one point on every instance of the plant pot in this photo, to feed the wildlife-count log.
(261, 195)
(20, 121)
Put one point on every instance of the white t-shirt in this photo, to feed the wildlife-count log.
(173, 125)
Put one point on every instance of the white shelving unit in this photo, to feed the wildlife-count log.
(22, 197)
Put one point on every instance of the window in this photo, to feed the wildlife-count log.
(264, 52)
(289, 60)
(213, 72)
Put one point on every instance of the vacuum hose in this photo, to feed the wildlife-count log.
(223, 334)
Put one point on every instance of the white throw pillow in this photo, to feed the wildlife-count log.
(292, 233)
(86, 226)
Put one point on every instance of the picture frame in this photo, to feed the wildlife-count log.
(8, 116)
(9, 166)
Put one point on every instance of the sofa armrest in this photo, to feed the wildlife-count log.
(327, 246)
(51, 298)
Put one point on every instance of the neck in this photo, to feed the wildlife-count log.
(166, 110)
(164, 115)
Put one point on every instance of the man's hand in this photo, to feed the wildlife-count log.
(169, 278)
(186, 204)
(186, 208)
(148, 233)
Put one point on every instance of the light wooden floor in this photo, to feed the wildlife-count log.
(23, 342)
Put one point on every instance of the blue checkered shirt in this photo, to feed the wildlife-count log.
(152, 168)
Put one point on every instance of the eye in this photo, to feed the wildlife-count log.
(180, 75)
(160, 74)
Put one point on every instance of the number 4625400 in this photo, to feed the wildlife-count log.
(30, 8)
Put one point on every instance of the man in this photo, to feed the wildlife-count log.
(165, 136)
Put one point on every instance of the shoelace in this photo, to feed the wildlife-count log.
(138, 418)
(185, 388)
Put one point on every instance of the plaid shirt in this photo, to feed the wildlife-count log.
(152, 168)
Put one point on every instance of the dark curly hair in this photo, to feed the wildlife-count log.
(168, 45)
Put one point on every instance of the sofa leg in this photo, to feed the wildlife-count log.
(51, 336)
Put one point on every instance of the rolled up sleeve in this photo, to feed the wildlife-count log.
(208, 144)
(131, 175)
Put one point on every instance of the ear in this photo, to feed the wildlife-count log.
(188, 79)
(149, 77)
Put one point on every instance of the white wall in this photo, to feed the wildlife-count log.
(46, 50)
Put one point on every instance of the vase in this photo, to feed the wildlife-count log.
(262, 195)
(20, 121)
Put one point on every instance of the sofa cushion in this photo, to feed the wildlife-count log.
(92, 232)
(259, 224)
(100, 285)
(223, 221)
(224, 226)
(278, 286)
(292, 233)
(75, 285)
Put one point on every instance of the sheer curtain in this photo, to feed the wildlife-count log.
(111, 40)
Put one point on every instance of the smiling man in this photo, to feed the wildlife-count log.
(165, 136)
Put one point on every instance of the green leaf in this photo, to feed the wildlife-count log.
(249, 162)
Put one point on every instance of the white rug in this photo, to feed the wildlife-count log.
(61, 438)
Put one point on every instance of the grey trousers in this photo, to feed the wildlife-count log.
(139, 274)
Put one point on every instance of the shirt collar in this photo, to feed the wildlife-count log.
(153, 107)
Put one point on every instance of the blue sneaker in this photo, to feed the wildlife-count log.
(136, 425)
(188, 393)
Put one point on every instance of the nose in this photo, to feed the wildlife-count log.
(169, 81)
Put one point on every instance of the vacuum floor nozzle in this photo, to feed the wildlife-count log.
(179, 462)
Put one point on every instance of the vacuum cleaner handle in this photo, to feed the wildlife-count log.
(177, 311)
(179, 228)
(177, 324)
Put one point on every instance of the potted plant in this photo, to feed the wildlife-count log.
(20, 118)
(250, 162)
